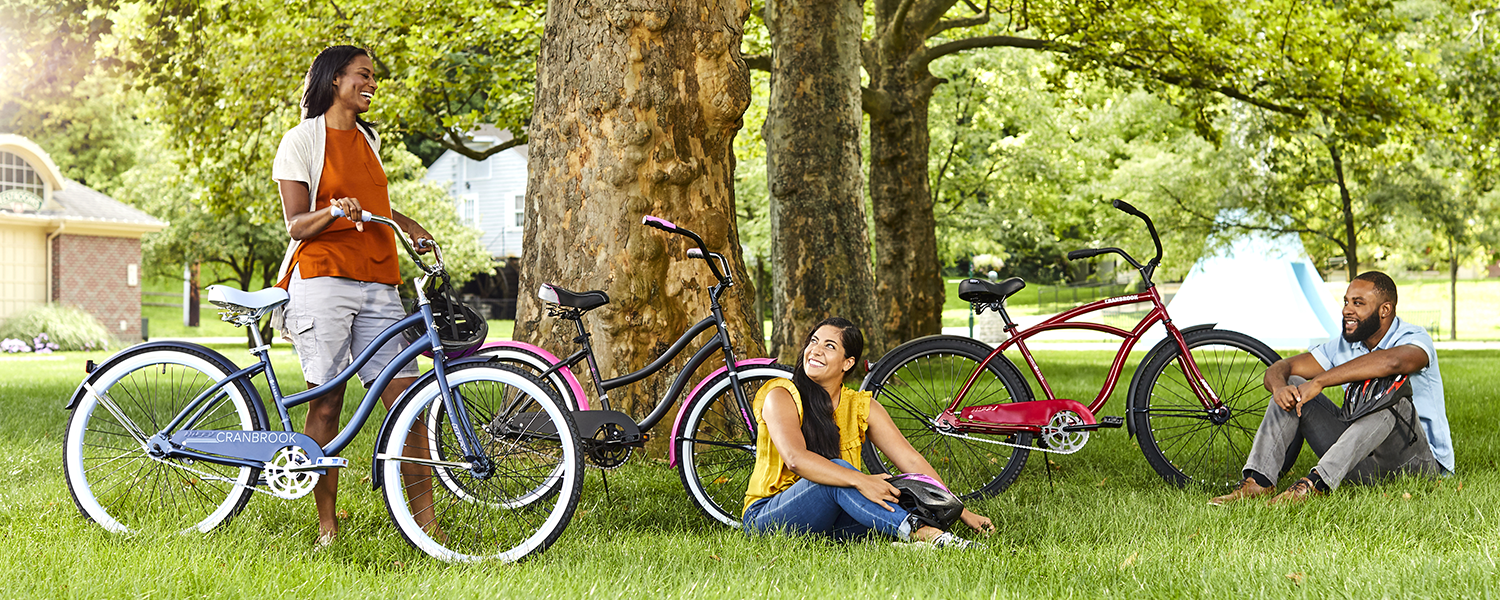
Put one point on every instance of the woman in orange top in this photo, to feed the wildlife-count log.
(341, 276)
(807, 477)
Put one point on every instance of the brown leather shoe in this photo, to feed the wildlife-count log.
(1300, 491)
(1246, 489)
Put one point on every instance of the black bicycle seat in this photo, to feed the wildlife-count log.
(980, 290)
(584, 301)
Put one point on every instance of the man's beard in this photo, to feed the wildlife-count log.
(1364, 329)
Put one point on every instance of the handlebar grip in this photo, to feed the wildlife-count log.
(694, 253)
(339, 212)
(1126, 208)
(659, 223)
(1086, 252)
(426, 243)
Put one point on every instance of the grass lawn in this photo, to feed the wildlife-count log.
(1102, 525)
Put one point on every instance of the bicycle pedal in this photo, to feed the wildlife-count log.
(1111, 421)
(331, 462)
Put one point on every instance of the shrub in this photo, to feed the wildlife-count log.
(53, 327)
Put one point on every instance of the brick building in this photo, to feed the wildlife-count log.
(63, 242)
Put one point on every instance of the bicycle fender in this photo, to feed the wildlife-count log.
(863, 385)
(1135, 380)
(683, 410)
(220, 359)
(566, 372)
(390, 415)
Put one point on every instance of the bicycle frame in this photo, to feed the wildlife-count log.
(428, 342)
(1063, 320)
(719, 342)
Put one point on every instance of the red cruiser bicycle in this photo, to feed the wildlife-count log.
(1194, 403)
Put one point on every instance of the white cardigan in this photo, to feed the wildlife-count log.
(300, 158)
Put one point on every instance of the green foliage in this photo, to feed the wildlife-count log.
(1023, 162)
(70, 327)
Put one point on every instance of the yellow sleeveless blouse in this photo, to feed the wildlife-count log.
(771, 476)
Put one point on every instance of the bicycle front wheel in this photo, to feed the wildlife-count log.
(116, 483)
(716, 448)
(514, 502)
(918, 381)
(1185, 442)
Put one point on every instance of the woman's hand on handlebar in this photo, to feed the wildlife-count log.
(351, 209)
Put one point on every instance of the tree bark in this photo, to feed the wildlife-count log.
(1452, 289)
(636, 108)
(819, 243)
(908, 280)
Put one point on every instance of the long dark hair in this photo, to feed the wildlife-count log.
(818, 428)
(317, 88)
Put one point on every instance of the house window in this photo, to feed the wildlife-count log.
(521, 210)
(16, 174)
(468, 209)
(475, 170)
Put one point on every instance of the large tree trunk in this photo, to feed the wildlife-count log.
(908, 282)
(819, 243)
(636, 107)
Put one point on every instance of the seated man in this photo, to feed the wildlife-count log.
(1375, 344)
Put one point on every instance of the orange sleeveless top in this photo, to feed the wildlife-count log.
(351, 170)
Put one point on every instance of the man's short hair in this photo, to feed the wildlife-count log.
(1382, 283)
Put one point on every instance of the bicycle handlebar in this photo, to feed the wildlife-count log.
(1126, 208)
(368, 217)
(1146, 269)
(702, 249)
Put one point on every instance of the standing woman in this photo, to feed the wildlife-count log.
(807, 452)
(341, 278)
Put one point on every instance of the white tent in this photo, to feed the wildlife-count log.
(1264, 286)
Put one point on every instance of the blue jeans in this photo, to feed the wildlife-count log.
(837, 512)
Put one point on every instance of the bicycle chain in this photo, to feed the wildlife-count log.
(211, 476)
(942, 431)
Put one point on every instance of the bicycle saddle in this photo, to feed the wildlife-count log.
(583, 301)
(979, 290)
(228, 298)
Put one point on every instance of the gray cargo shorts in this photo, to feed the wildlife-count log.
(332, 319)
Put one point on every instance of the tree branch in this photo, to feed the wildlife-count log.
(898, 22)
(951, 24)
(925, 57)
(453, 142)
(758, 62)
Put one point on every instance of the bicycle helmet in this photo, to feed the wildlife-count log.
(927, 500)
(460, 328)
(1373, 395)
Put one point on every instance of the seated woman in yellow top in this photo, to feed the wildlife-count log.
(807, 475)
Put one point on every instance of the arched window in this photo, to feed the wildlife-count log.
(16, 174)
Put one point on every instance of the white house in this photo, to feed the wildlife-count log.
(491, 194)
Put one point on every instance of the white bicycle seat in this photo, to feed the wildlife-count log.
(228, 298)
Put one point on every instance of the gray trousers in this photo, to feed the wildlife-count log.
(1372, 447)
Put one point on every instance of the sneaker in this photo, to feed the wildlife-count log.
(1245, 489)
(943, 540)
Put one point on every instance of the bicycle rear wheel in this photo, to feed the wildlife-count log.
(918, 381)
(1183, 441)
(716, 450)
(116, 483)
(518, 504)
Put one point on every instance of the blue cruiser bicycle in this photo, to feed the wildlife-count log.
(475, 461)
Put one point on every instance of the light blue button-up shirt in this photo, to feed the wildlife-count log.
(1426, 384)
